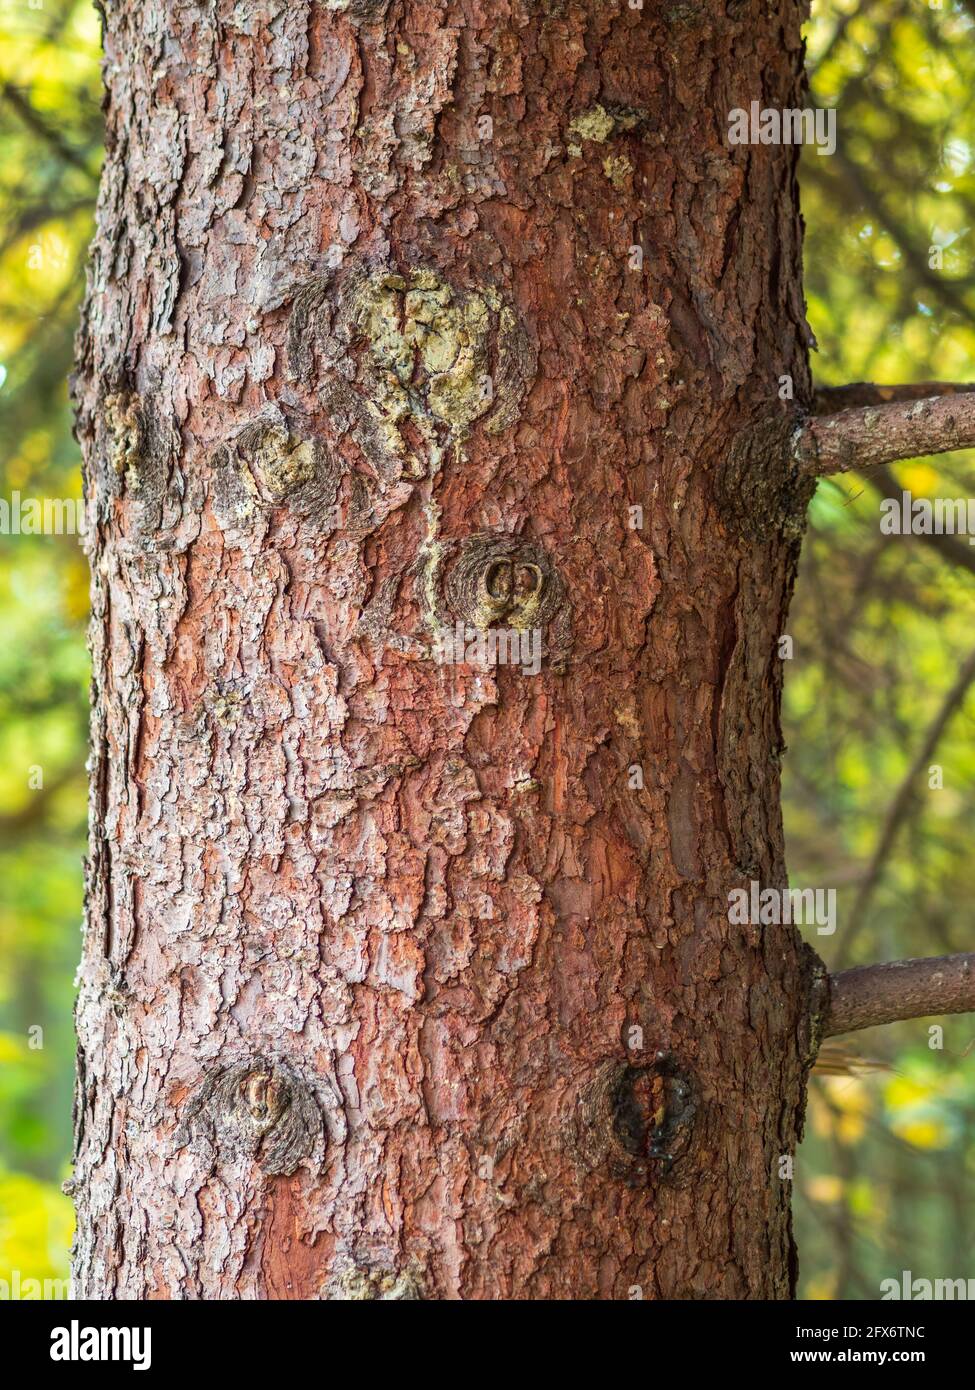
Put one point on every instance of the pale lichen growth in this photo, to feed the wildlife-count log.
(124, 422)
(360, 1285)
(430, 347)
(276, 458)
(412, 361)
(359, 9)
(595, 124)
(226, 707)
(599, 124)
(617, 169)
(429, 562)
(524, 785)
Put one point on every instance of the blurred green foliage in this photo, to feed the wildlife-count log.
(50, 126)
(880, 627)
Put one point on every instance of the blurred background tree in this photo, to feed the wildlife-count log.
(882, 627)
(50, 128)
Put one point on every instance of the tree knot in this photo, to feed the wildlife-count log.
(637, 1118)
(490, 581)
(258, 1108)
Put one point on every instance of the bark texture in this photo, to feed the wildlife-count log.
(404, 979)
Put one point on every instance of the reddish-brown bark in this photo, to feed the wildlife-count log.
(368, 937)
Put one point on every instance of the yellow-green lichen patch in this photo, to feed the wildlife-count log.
(124, 423)
(453, 343)
(281, 462)
(526, 785)
(276, 459)
(598, 125)
(617, 169)
(595, 124)
(226, 708)
(360, 1285)
(415, 362)
(430, 344)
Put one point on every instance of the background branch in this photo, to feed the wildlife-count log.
(830, 399)
(902, 801)
(32, 118)
(955, 551)
(874, 994)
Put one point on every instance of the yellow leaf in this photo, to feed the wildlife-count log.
(825, 1188)
(902, 1091)
(12, 1048)
(923, 1134)
(920, 479)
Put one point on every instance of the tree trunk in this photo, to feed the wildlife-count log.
(408, 969)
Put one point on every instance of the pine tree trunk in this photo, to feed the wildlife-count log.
(407, 976)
